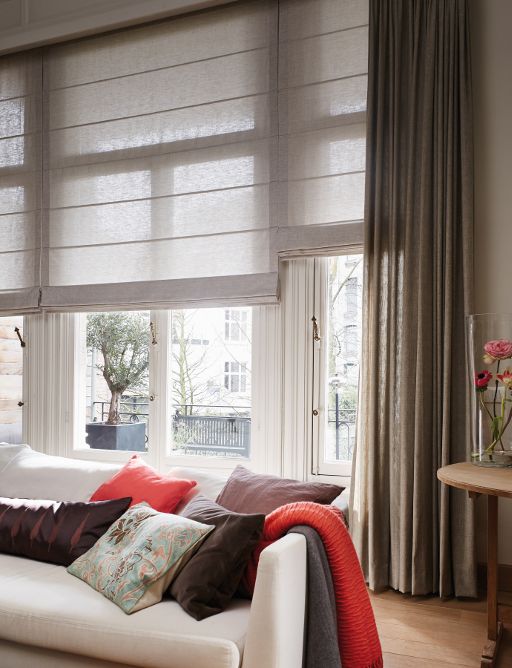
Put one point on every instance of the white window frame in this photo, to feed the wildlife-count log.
(56, 410)
(304, 296)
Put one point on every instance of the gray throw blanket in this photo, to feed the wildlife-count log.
(321, 632)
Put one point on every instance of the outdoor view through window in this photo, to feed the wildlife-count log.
(209, 381)
(11, 376)
(342, 356)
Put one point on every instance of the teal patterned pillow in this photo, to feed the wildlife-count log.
(139, 556)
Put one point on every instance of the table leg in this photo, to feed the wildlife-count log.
(494, 627)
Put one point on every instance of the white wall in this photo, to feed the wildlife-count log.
(28, 23)
(492, 80)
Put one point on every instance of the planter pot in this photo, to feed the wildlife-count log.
(489, 339)
(126, 436)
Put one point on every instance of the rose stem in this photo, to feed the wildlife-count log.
(496, 390)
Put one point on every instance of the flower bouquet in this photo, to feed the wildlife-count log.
(499, 408)
(489, 358)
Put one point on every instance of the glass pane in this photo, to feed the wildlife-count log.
(211, 396)
(11, 377)
(117, 380)
(344, 312)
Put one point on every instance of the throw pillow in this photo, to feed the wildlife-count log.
(210, 579)
(143, 483)
(136, 560)
(53, 531)
(248, 492)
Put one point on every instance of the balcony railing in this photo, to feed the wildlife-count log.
(227, 432)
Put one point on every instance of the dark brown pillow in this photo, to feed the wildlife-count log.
(248, 492)
(209, 580)
(55, 531)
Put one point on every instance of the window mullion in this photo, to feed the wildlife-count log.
(159, 388)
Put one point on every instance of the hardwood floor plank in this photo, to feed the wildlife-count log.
(423, 632)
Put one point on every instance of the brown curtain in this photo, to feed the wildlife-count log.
(412, 533)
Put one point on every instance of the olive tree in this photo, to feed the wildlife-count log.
(123, 341)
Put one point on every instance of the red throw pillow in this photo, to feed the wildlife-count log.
(145, 484)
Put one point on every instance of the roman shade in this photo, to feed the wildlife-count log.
(181, 158)
(20, 182)
(323, 66)
(160, 142)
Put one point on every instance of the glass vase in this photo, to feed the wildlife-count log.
(489, 351)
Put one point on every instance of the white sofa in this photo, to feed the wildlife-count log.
(50, 619)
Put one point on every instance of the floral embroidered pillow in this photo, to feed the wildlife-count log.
(135, 561)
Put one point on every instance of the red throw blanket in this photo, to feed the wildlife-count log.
(357, 633)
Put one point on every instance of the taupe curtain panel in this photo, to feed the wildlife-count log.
(412, 533)
(168, 164)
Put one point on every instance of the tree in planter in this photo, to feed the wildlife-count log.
(123, 341)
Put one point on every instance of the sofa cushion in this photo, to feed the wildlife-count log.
(210, 579)
(248, 492)
(136, 560)
(55, 531)
(27, 474)
(144, 484)
(43, 606)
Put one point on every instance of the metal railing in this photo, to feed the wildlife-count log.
(194, 431)
(344, 422)
(197, 432)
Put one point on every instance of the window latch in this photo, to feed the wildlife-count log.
(22, 343)
(152, 328)
(316, 332)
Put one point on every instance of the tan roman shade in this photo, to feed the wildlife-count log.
(172, 164)
(323, 66)
(20, 182)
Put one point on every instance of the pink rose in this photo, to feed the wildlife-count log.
(500, 349)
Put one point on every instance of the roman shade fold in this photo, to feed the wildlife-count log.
(173, 163)
(20, 182)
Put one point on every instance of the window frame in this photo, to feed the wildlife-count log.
(159, 452)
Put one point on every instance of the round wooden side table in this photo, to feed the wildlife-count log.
(493, 482)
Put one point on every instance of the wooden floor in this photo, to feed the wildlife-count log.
(424, 632)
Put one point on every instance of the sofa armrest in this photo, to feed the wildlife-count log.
(275, 635)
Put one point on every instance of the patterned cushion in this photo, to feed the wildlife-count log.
(136, 560)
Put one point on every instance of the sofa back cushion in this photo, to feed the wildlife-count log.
(209, 483)
(27, 474)
(55, 531)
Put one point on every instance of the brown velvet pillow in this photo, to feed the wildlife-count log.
(55, 531)
(248, 492)
(210, 579)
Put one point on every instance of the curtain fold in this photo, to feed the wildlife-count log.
(412, 533)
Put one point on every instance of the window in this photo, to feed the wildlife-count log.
(337, 361)
(211, 388)
(166, 384)
(116, 376)
(235, 326)
(235, 377)
(11, 380)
